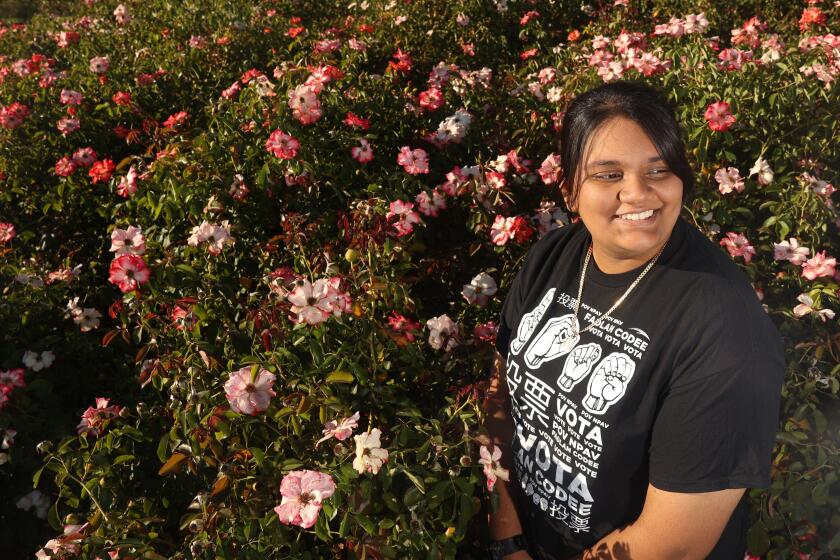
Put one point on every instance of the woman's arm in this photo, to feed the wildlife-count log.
(672, 526)
(504, 522)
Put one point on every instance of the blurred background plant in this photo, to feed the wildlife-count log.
(227, 226)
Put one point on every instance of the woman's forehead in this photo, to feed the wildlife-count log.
(620, 140)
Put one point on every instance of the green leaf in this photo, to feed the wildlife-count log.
(417, 482)
(820, 422)
(290, 465)
(758, 541)
(784, 229)
(340, 377)
(786, 437)
(298, 429)
(316, 351)
(345, 523)
(466, 513)
(53, 519)
(163, 448)
(133, 433)
(834, 544)
(261, 176)
(412, 497)
(188, 269)
(366, 524)
(37, 476)
(123, 459)
(285, 411)
(391, 502)
(125, 161)
(322, 528)
(821, 493)
(250, 528)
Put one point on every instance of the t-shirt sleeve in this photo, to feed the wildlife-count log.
(717, 419)
(511, 309)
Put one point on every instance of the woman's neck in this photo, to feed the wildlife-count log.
(615, 265)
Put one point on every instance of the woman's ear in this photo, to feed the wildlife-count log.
(566, 196)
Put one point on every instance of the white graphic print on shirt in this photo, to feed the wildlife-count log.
(559, 429)
(529, 322)
(555, 340)
(578, 365)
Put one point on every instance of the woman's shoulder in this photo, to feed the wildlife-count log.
(551, 244)
(548, 253)
(721, 301)
(705, 255)
(710, 271)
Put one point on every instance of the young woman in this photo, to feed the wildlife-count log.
(636, 388)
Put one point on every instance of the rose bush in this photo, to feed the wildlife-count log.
(249, 231)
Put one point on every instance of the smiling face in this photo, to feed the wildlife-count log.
(629, 199)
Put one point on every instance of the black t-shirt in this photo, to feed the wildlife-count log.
(679, 388)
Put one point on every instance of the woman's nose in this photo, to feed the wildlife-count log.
(634, 188)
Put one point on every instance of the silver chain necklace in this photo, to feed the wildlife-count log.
(575, 331)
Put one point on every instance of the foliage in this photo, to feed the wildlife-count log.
(168, 469)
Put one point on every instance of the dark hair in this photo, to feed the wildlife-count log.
(636, 101)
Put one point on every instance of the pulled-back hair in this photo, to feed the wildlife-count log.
(636, 101)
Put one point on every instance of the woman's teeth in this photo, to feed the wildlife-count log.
(636, 217)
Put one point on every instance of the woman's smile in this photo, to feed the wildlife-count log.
(641, 218)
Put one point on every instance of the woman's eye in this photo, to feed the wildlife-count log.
(660, 171)
(610, 176)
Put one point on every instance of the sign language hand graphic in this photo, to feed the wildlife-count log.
(555, 340)
(529, 322)
(578, 365)
(609, 382)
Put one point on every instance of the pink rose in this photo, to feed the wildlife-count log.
(13, 115)
(492, 468)
(362, 153)
(729, 179)
(738, 246)
(311, 302)
(128, 272)
(431, 99)
(819, 265)
(414, 161)
(719, 117)
(246, 396)
(128, 241)
(339, 429)
(282, 145)
(303, 492)
(93, 419)
(550, 169)
(405, 216)
(7, 232)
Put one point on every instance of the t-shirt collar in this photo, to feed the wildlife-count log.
(594, 274)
